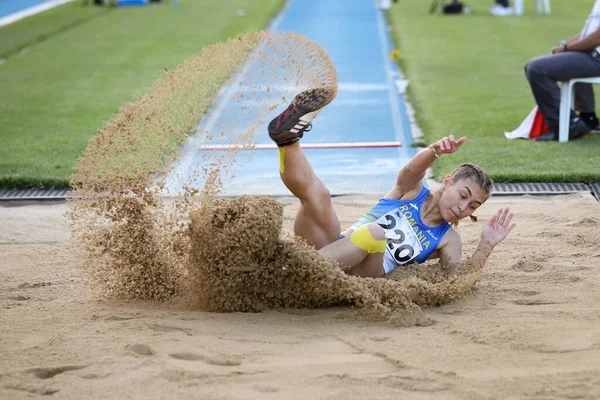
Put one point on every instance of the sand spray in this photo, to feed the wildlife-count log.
(202, 250)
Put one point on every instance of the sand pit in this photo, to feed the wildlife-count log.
(127, 300)
(530, 329)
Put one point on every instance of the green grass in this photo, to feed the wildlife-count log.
(466, 78)
(83, 62)
(29, 31)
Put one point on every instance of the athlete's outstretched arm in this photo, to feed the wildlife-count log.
(411, 175)
(494, 231)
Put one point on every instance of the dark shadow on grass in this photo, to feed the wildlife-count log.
(43, 37)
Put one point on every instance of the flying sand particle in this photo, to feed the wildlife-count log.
(213, 253)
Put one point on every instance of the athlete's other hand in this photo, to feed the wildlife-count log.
(447, 145)
(498, 227)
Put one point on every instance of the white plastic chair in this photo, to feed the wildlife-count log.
(566, 104)
(542, 6)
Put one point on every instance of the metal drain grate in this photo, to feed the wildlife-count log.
(540, 188)
(499, 189)
(34, 194)
(595, 190)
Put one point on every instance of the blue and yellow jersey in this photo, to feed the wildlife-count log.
(408, 239)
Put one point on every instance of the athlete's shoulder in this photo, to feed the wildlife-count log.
(413, 194)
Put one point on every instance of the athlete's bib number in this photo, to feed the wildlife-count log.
(402, 243)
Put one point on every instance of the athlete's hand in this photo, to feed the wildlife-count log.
(447, 145)
(498, 227)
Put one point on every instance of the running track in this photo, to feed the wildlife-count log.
(368, 111)
(13, 10)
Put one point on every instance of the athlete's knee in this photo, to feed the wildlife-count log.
(370, 238)
(318, 201)
(321, 194)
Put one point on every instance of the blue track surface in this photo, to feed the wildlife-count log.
(368, 107)
(8, 7)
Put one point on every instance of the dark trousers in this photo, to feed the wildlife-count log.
(544, 72)
(503, 3)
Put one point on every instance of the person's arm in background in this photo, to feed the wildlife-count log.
(577, 43)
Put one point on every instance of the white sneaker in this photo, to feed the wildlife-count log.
(499, 11)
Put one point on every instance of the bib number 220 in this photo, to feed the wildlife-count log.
(403, 252)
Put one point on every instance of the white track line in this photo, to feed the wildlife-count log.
(226, 93)
(342, 87)
(355, 145)
(30, 11)
(183, 166)
(274, 25)
(395, 107)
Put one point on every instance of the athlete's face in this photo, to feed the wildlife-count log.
(460, 199)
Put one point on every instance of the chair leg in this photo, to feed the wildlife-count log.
(564, 117)
(434, 6)
(519, 7)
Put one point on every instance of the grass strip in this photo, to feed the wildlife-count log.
(466, 78)
(21, 35)
(59, 93)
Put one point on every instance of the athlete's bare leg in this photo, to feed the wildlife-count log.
(316, 220)
(355, 260)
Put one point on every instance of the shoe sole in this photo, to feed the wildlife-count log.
(289, 126)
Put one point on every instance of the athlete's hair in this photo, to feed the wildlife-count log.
(472, 171)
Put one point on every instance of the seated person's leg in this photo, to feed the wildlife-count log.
(544, 88)
(543, 74)
(501, 9)
(586, 104)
